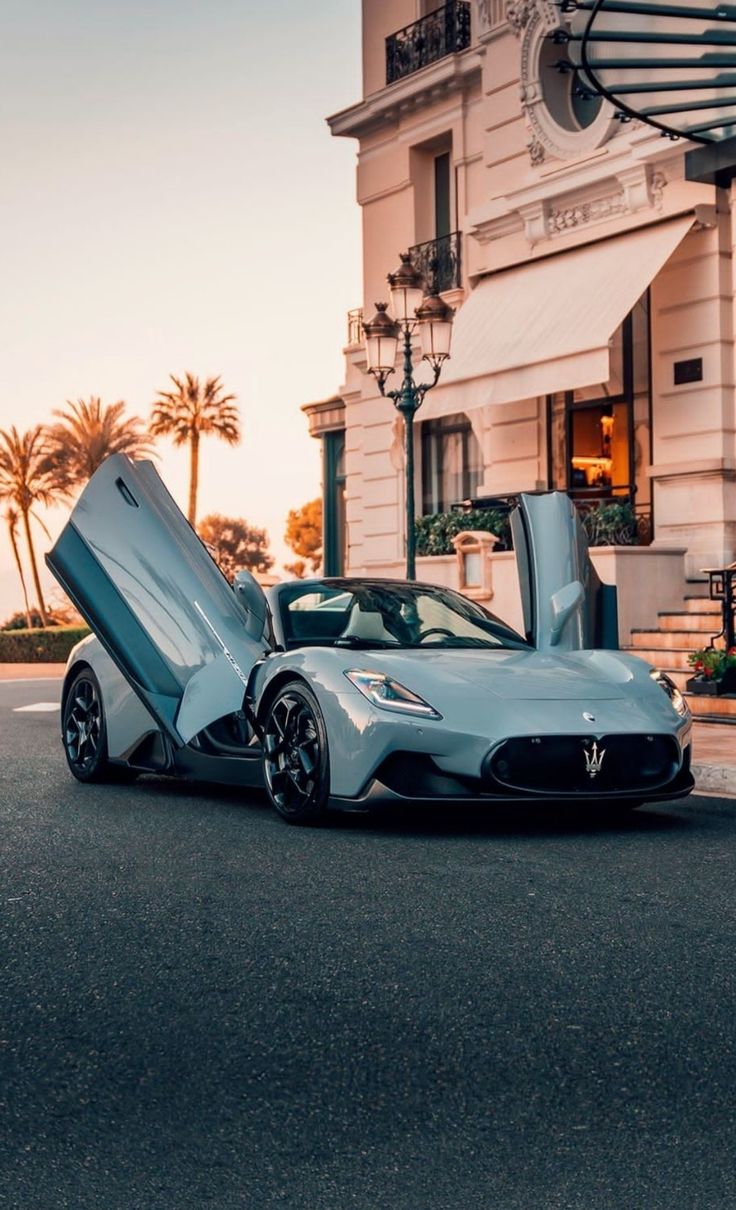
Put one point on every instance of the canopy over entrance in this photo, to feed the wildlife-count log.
(545, 326)
(671, 64)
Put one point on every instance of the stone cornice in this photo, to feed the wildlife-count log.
(449, 75)
(545, 212)
(325, 415)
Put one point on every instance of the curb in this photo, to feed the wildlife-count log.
(715, 779)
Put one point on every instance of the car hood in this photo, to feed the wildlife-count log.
(509, 675)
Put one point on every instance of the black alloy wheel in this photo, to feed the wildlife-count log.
(84, 733)
(295, 759)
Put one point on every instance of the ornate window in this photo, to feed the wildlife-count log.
(562, 123)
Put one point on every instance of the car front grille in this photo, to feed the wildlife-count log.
(583, 764)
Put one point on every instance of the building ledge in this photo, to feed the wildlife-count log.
(700, 466)
(449, 75)
(325, 415)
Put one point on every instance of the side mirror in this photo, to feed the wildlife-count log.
(564, 602)
(252, 598)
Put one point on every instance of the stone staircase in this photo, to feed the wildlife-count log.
(667, 648)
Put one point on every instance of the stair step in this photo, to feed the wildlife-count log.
(722, 708)
(666, 658)
(707, 623)
(665, 640)
(702, 605)
(722, 720)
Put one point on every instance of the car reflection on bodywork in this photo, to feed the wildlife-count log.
(341, 692)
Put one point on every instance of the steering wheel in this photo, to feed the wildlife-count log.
(424, 634)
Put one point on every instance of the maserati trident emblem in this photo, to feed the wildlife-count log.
(593, 759)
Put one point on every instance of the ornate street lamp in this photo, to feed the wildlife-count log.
(413, 308)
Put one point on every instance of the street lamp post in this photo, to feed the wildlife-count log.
(413, 308)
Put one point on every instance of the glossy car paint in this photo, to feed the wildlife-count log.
(143, 580)
(482, 696)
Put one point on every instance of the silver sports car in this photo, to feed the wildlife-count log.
(346, 692)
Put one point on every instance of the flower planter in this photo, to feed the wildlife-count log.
(706, 686)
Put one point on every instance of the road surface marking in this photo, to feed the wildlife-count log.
(40, 707)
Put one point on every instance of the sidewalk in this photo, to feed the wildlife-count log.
(714, 758)
(30, 672)
(714, 746)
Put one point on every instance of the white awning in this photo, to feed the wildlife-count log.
(545, 326)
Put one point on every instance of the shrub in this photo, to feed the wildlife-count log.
(610, 523)
(39, 646)
(435, 532)
(19, 621)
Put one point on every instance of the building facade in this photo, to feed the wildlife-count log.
(593, 345)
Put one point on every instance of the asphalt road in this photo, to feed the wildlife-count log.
(203, 1007)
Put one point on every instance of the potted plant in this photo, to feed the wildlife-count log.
(715, 671)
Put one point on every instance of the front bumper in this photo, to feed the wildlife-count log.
(410, 777)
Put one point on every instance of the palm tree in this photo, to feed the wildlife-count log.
(11, 520)
(27, 480)
(194, 410)
(87, 433)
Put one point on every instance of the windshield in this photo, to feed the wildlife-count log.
(378, 615)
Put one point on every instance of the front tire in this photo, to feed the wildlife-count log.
(84, 733)
(296, 767)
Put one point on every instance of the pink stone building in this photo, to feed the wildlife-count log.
(593, 337)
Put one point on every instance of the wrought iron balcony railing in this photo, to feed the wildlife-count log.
(443, 32)
(439, 261)
(355, 326)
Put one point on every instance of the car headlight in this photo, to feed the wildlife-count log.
(670, 688)
(382, 690)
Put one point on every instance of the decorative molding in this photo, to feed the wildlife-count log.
(537, 152)
(533, 21)
(518, 13)
(546, 214)
(657, 183)
(325, 415)
(562, 220)
(454, 74)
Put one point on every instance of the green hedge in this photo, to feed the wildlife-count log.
(607, 523)
(435, 532)
(50, 646)
(610, 523)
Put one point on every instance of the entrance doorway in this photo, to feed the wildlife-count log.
(599, 438)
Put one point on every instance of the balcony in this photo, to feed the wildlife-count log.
(439, 261)
(443, 32)
(355, 326)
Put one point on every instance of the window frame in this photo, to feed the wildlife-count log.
(433, 433)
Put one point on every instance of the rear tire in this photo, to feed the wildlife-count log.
(296, 767)
(84, 733)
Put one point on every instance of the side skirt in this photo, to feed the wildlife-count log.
(242, 770)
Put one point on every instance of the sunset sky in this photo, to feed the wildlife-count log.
(172, 199)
